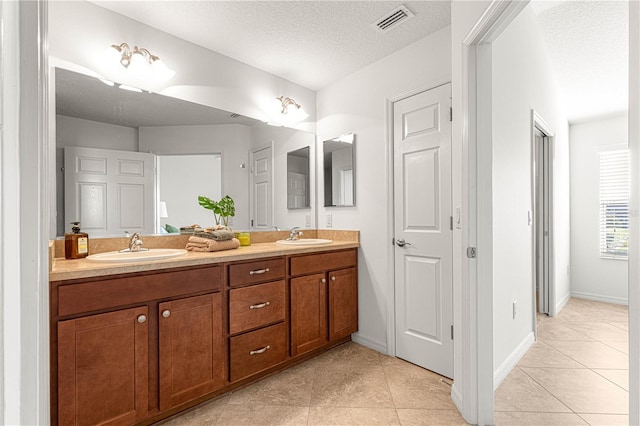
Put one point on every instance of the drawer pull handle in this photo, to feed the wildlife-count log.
(259, 305)
(260, 351)
(258, 271)
(142, 319)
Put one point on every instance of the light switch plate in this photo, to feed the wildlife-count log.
(329, 223)
(307, 221)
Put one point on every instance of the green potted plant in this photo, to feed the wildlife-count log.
(222, 210)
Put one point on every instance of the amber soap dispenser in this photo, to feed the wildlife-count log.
(76, 243)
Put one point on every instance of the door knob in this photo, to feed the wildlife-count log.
(402, 243)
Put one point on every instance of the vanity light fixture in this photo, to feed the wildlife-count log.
(292, 109)
(140, 62)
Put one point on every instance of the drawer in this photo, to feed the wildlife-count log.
(258, 350)
(255, 306)
(256, 271)
(311, 263)
(114, 292)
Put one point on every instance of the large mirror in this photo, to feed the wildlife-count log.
(298, 191)
(137, 161)
(339, 171)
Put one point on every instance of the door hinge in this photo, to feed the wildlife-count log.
(472, 252)
(393, 241)
(252, 223)
(451, 223)
(452, 332)
(450, 113)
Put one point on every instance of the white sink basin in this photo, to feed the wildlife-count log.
(136, 256)
(304, 242)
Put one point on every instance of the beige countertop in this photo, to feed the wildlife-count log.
(63, 269)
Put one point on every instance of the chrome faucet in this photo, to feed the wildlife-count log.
(135, 243)
(294, 233)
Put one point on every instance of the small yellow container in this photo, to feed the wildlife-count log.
(244, 238)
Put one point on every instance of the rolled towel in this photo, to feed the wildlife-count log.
(208, 245)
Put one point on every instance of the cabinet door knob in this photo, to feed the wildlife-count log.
(323, 281)
(166, 313)
(142, 318)
(333, 278)
(260, 351)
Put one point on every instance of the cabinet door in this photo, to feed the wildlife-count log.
(308, 313)
(343, 303)
(103, 368)
(191, 349)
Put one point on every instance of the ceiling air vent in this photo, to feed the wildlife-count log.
(234, 115)
(393, 19)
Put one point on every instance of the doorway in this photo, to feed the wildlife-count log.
(542, 179)
(423, 231)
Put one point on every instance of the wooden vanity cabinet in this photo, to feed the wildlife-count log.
(103, 368)
(258, 307)
(114, 363)
(324, 300)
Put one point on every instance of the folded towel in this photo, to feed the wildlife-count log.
(218, 235)
(206, 244)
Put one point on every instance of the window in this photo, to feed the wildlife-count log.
(614, 204)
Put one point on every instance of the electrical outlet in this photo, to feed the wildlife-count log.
(515, 309)
(329, 222)
(307, 221)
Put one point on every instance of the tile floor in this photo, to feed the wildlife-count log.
(349, 385)
(575, 374)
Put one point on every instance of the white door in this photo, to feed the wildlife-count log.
(109, 192)
(423, 235)
(261, 189)
(296, 190)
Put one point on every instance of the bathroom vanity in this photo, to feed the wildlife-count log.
(132, 344)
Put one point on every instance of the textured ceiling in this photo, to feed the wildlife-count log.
(312, 43)
(81, 96)
(587, 42)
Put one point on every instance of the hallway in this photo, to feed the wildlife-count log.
(575, 374)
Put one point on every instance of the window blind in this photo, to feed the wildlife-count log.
(614, 203)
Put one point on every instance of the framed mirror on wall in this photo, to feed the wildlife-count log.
(339, 171)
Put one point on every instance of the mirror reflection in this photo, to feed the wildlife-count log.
(339, 173)
(298, 179)
(153, 155)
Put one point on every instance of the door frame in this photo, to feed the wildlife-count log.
(538, 123)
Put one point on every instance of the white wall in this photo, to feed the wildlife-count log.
(72, 131)
(285, 140)
(592, 277)
(522, 80)
(80, 32)
(229, 140)
(358, 104)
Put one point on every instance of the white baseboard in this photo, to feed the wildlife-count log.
(561, 304)
(456, 396)
(600, 298)
(512, 360)
(370, 343)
